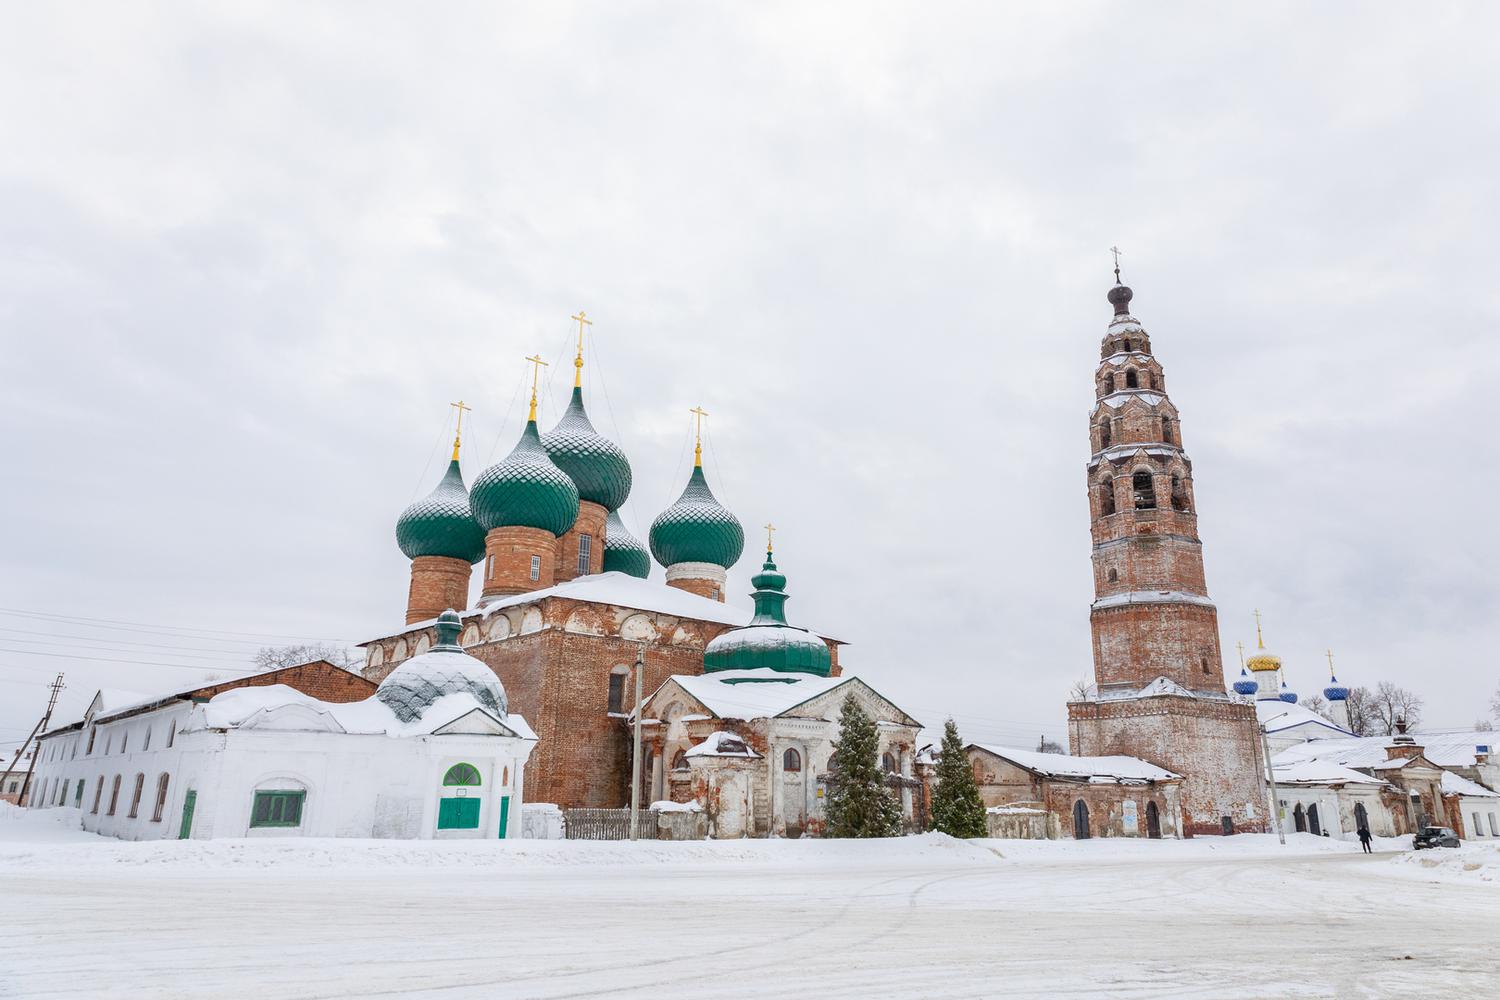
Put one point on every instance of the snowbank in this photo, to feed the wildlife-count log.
(1471, 863)
(42, 826)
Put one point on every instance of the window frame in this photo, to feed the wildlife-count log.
(273, 797)
(793, 755)
(585, 550)
(536, 567)
(453, 777)
(114, 795)
(135, 795)
(163, 780)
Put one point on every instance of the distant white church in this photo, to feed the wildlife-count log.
(433, 752)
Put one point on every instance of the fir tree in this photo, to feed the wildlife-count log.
(957, 809)
(858, 802)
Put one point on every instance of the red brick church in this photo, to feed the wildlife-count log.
(1159, 692)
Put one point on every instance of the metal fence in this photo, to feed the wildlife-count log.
(607, 824)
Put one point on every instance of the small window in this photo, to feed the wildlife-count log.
(888, 763)
(98, 794)
(146, 743)
(1166, 430)
(465, 775)
(617, 691)
(536, 567)
(114, 795)
(1131, 380)
(78, 795)
(1478, 826)
(172, 732)
(277, 809)
(135, 796)
(1104, 434)
(489, 567)
(1179, 494)
(1106, 498)
(92, 734)
(62, 795)
(680, 761)
(1114, 576)
(505, 777)
(1144, 490)
(1150, 380)
(1203, 662)
(1127, 347)
(109, 743)
(1494, 827)
(125, 742)
(791, 760)
(161, 797)
(585, 546)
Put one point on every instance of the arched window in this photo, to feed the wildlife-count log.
(1114, 575)
(161, 797)
(1150, 380)
(1131, 380)
(1153, 821)
(680, 761)
(1127, 346)
(1106, 498)
(888, 762)
(505, 777)
(135, 796)
(1203, 662)
(466, 775)
(617, 690)
(146, 744)
(1104, 434)
(125, 742)
(92, 734)
(791, 760)
(1144, 490)
(1107, 383)
(1179, 494)
(1080, 820)
(114, 795)
(172, 732)
(1166, 430)
(98, 793)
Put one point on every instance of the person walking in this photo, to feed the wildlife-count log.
(1365, 838)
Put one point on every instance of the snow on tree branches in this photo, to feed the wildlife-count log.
(858, 802)
(957, 809)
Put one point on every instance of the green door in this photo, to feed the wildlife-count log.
(189, 802)
(504, 813)
(458, 814)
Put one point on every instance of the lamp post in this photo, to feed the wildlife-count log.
(635, 764)
(1265, 749)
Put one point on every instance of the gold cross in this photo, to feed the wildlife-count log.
(699, 413)
(458, 433)
(1330, 663)
(536, 370)
(1241, 647)
(1116, 252)
(770, 532)
(582, 320)
(1259, 642)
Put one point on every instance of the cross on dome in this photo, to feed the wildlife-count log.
(582, 320)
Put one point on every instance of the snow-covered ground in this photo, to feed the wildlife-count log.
(918, 917)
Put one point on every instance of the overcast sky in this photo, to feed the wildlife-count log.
(247, 257)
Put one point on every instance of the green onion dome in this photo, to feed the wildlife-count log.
(768, 642)
(697, 528)
(596, 464)
(441, 523)
(623, 552)
(526, 490)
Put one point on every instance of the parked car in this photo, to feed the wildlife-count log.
(1434, 836)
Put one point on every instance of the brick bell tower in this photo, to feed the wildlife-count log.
(1159, 675)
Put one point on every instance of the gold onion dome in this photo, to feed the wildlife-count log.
(1262, 659)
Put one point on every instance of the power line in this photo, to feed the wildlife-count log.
(107, 659)
(109, 622)
(112, 646)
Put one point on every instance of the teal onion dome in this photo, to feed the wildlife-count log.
(768, 642)
(441, 523)
(596, 464)
(525, 491)
(1335, 691)
(623, 552)
(697, 528)
(1246, 684)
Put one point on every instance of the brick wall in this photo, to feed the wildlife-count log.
(318, 679)
(508, 555)
(591, 519)
(437, 584)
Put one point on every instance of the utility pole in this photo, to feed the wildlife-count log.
(635, 763)
(57, 686)
(1265, 749)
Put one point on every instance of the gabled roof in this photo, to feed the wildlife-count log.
(1279, 716)
(1445, 748)
(766, 694)
(279, 707)
(1105, 770)
(1457, 784)
(619, 589)
(1320, 772)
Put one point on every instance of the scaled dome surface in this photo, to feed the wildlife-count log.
(1335, 691)
(697, 528)
(768, 642)
(442, 523)
(1246, 684)
(525, 490)
(623, 552)
(412, 688)
(596, 464)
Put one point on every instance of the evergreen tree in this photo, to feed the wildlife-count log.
(858, 803)
(957, 809)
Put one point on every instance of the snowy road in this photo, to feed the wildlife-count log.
(914, 918)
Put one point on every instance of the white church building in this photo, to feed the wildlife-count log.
(433, 753)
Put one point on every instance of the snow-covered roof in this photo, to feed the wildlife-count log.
(1120, 397)
(279, 707)
(1095, 769)
(1457, 784)
(755, 694)
(1445, 748)
(1152, 597)
(621, 590)
(1278, 716)
(1121, 450)
(722, 744)
(1320, 772)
